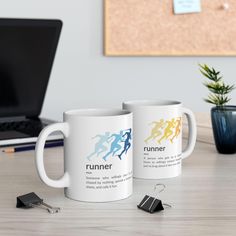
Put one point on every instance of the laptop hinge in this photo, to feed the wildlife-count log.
(12, 119)
(32, 117)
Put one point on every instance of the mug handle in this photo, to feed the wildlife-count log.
(64, 181)
(192, 136)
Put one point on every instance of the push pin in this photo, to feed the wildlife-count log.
(153, 204)
(225, 6)
(31, 200)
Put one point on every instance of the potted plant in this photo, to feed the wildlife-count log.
(223, 117)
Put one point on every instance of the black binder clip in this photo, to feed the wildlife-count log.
(152, 204)
(30, 200)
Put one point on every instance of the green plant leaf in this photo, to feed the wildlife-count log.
(218, 89)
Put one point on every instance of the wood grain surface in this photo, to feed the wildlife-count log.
(202, 199)
(150, 27)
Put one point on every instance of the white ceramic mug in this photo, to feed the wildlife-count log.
(158, 137)
(97, 154)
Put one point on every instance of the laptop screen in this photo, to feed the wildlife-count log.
(27, 50)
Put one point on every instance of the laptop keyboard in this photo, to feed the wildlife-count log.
(32, 127)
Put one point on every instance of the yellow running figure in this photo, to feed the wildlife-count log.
(155, 132)
(177, 128)
(168, 130)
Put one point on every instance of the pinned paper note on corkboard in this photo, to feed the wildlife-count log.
(150, 27)
(186, 6)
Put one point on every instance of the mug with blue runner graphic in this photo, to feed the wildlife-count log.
(97, 154)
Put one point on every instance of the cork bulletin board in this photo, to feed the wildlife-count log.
(150, 27)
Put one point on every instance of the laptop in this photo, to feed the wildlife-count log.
(27, 51)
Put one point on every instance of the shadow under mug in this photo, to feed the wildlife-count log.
(158, 137)
(97, 154)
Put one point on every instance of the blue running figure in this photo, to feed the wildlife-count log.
(100, 145)
(115, 146)
(127, 143)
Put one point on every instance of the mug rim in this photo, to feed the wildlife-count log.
(97, 112)
(154, 102)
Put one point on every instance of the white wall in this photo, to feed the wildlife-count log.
(83, 77)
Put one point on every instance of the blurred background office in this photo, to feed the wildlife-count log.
(83, 77)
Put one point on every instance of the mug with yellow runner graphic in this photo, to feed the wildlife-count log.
(157, 132)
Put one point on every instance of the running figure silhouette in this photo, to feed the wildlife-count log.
(115, 146)
(177, 129)
(168, 130)
(155, 132)
(100, 145)
(127, 143)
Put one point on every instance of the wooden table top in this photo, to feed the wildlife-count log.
(202, 199)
